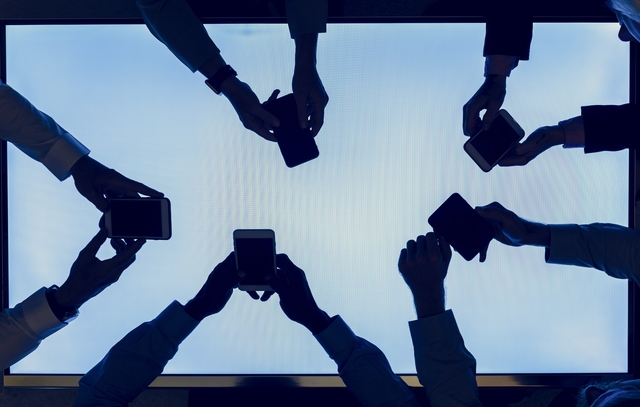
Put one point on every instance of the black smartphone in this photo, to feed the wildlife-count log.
(489, 146)
(255, 251)
(296, 145)
(139, 218)
(460, 225)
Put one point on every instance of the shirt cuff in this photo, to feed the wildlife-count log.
(63, 155)
(434, 329)
(38, 315)
(499, 64)
(176, 323)
(337, 338)
(562, 248)
(573, 132)
(307, 16)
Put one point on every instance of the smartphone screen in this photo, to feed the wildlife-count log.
(466, 231)
(296, 145)
(139, 218)
(256, 257)
(492, 144)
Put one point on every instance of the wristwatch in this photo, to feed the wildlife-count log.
(65, 315)
(224, 73)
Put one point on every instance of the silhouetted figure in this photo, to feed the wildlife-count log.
(174, 23)
(507, 41)
(42, 139)
(48, 310)
(134, 362)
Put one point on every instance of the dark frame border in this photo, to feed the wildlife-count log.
(213, 381)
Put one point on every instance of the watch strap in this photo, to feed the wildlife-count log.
(62, 313)
(215, 82)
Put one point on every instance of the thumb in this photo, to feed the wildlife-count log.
(301, 107)
(490, 114)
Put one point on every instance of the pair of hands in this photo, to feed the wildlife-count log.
(490, 98)
(290, 282)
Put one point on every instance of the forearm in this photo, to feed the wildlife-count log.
(24, 326)
(174, 23)
(445, 367)
(364, 368)
(610, 248)
(37, 134)
(134, 362)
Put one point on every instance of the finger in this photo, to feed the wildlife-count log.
(402, 259)
(266, 295)
(421, 244)
(253, 295)
(411, 248)
(91, 249)
(433, 251)
(118, 180)
(97, 200)
(278, 283)
(301, 107)
(274, 95)
(492, 110)
(262, 114)
(127, 257)
(118, 245)
(483, 253)
(471, 116)
(258, 127)
(284, 262)
(317, 119)
(445, 249)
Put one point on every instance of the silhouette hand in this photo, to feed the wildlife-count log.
(490, 96)
(90, 275)
(95, 182)
(295, 295)
(423, 265)
(310, 95)
(216, 291)
(511, 229)
(537, 142)
(251, 113)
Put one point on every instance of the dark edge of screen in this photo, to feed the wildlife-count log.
(3, 191)
(634, 217)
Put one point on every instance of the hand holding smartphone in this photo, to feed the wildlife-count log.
(138, 218)
(489, 146)
(255, 252)
(297, 145)
(461, 226)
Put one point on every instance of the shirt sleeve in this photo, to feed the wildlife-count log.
(446, 369)
(307, 16)
(611, 128)
(37, 134)
(606, 247)
(134, 362)
(176, 26)
(509, 28)
(364, 368)
(24, 326)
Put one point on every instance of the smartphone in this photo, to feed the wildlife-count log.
(255, 251)
(460, 225)
(296, 145)
(489, 146)
(139, 218)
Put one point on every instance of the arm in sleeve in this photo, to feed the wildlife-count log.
(176, 26)
(446, 369)
(37, 134)
(24, 326)
(611, 128)
(509, 28)
(307, 16)
(364, 368)
(610, 248)
(134, 362)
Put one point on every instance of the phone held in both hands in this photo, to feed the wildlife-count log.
(138, 218)
(489, 146)
(460, 225)
(297, 145)
(255, 252)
